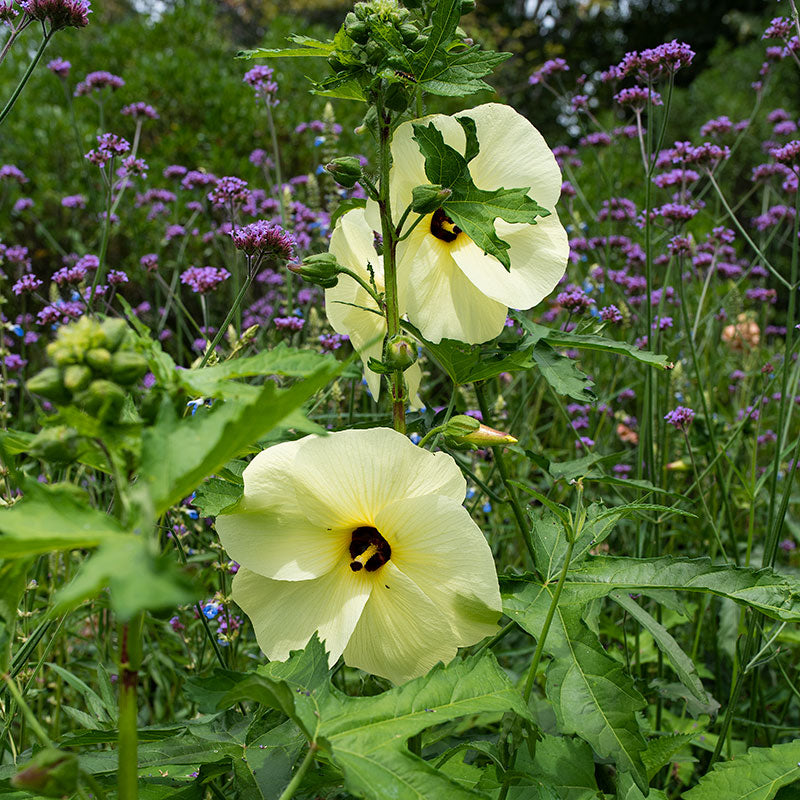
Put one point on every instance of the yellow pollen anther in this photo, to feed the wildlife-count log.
(359, 561)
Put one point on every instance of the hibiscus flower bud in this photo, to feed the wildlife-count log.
(401, 352)
(48, 383)
(51, 773)
(322, 269)
(428, 198)
(346, 170)
(464, 430)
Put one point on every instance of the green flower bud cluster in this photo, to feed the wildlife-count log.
(94, 364)
(50, 773)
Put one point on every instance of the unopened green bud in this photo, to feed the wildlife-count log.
(467, 6)
(50, 773)
(77, 377)
(463, 430)
(322, 269)
(127, 367)
(429, 197)
(99, 359)
(114, 331)
(346, 170)
(62, 356)
(357, 31)
(103, 399)
(408, 32)
(400, 353)
(58, 445)
(419, 42)
(49, 383)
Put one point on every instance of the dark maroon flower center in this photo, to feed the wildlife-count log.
(442, 226)
(368, 549)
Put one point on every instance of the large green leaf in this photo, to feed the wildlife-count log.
(681, 663)
(557, 338)
(590, 692)
(562, 373)
(139, 580)
(564, 763)
(178, 454)
(366, 736)
(286, 361)
(447, 68)
(755, 776)
(53, 518)
(472, 209)
(775, 595)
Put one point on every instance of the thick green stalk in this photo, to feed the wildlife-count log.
(28, 72)
(390, 262)
(130, 661)
(297, 778)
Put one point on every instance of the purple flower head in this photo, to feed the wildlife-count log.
(229, 190)
(196, 179)
(59, 13)
(289, 323)
(574, 300)
(779, 28)
(596, 139)
(635, 97)
(133, 166)
(73, 201)
(260, 78)
(680, 417)
(547, 69)
(116, 277)
(59, 67)
(676, 177)
(675, 212)
(60, 312)
(173, 232)
(788, 154)
(149, 262)
(785, 128)
(330, 342)
(264, 238)
(706, 154)
(97, 81)
(108, 146)
(139, 110)
(23, 204)
(717, 126)
(15, 362)
(260, 158)
(204, 279)
(8, 172)
(7, 12)
(27, 283)
(611, 314)
(787, 545)
(618, 209)
(174, 171)
(568, 190)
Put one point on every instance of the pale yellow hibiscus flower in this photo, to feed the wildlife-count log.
(350, 308)
(361, 536)
(449, 288)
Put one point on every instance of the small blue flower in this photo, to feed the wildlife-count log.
(210, 610)
(319, 170)
(470, 493)
(415, 437)
(18, 330)
(487, 507)
(319, 140)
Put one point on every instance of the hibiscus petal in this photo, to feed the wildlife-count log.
(285, 614)
(438, 297)
(435, 542)
(513, 154)
(538, 256)
(401, 634)
(349, 479)
(267, 531)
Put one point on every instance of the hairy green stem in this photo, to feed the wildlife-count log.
(297, 778)
(28, 72)
(130, 661)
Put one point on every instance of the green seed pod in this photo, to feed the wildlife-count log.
(58, 445)
(60, 355)
(50, 773)
(400, 353)
(346, 170)
(409, 33)
(322, 269)
(427, 198)
(77, 377)
(114, 332)
(358, 32)
(419, 42)
(49, 383)
(127, 367)
(103, 399)
(374, 52)
(99, 359)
